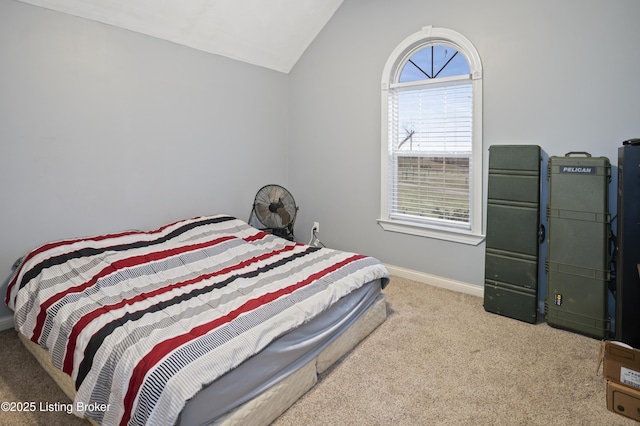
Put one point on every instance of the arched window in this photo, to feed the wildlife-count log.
(432, 137)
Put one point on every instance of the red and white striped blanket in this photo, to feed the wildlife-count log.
(141, 321)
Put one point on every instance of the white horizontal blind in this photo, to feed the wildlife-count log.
(430, 151)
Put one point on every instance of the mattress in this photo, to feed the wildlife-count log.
(244, 398)
(146, 323)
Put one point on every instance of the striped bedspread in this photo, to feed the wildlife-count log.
(141, 321)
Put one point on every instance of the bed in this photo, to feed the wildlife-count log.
(203, 321)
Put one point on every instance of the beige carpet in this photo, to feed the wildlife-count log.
(439, 359)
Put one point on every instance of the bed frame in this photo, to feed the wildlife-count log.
(271, 403)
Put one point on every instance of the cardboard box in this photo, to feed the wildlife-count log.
(623, 400)
(621, 363)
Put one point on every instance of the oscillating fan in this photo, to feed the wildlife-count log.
(275, 208)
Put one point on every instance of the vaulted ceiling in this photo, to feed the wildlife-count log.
(269, 33)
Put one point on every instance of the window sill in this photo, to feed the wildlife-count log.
(464, 237)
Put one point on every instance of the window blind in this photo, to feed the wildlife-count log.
(430, 151)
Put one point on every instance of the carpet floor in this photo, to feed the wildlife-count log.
(438, 359)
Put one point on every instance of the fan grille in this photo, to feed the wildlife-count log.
(275, 207)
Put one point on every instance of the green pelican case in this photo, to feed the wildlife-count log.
(513, 224)
(579, 257)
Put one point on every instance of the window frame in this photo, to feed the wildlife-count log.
(425, 37)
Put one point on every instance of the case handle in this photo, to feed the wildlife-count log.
(569, 154)
(541, 234)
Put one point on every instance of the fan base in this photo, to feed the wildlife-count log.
(279, 232)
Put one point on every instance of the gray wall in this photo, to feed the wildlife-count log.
(559, 74)
(103, 129)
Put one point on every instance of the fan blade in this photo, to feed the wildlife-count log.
(284, 216)
(276, 194)
(263, 211)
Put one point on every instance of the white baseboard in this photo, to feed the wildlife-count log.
(436, 281)
(6, 323)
